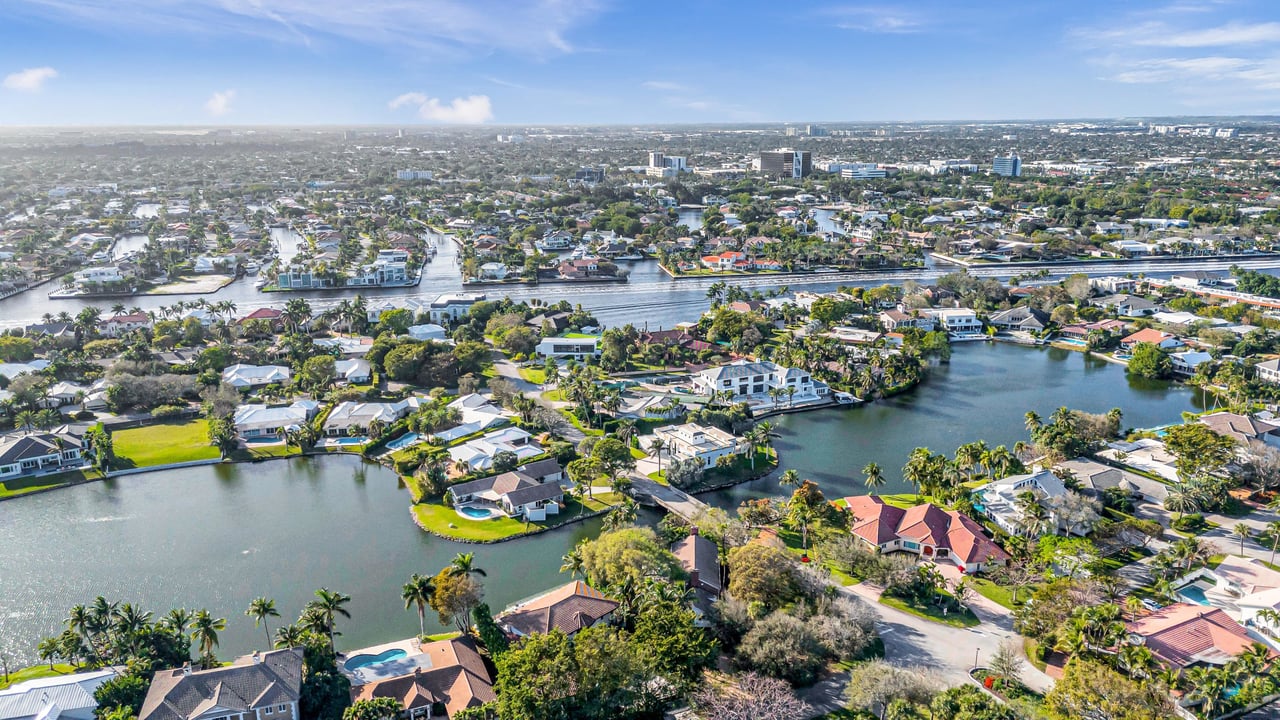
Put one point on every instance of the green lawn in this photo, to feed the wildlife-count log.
(260, 452)
(963, 619)
(22, 486)
(35, 671)
(441, 636)
(659, 477)
(438, 517)
(537, 376)
(163, 444)
(998, 594)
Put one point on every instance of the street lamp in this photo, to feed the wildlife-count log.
(975, 658)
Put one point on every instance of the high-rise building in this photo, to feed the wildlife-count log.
(656, 159)
(786, 163)
(589, 175)
(1010, 166)
(815, 131)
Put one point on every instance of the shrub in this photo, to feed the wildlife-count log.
(1192, 522)
(165, 411)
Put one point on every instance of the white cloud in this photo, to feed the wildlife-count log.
(219, 103)
(30, 79)
(1160, 34)
(876, 19)
(530, 27)
(1258, 74)
(470, 110)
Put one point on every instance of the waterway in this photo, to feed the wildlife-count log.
(219, 536)
(984, 393)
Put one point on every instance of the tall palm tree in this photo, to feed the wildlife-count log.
(790, 478)
(418, 591)
(178, 620)
(1032, 421)
(260, 609)
(464, 564)
(874, 476)
(1273, 531)
(332, 604)
(571, 562)
(656, 447)
(1133, 604)
(289, 636)
(204, 630)
(1244, 532)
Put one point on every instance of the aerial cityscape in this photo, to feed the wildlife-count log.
(435, 360)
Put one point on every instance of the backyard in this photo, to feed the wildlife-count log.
(163, 444)
(443, 520)
(22, 486)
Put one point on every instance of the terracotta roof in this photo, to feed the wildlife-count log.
(457, 679)
(569, 608)
(1184, 634)
(696, 553)
(878, 523)
(1148, 335)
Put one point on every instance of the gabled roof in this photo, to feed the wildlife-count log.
(1240, 427)
(1148, 335)
(568, 608)
(696, 553)
(16, 448)
(253, 681)
(878, 523)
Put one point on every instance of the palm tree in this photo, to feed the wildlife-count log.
(331, 603)
(1273, 531)
(418, 591)
(571, 562)
(790, 478)
(874, 476)
(656, 447)
(260, 609)
(1133, 604)
(1244, 532)
(621, 515)
(463, 564)
(1032, 421)
(289, 636)
(178, 620)
(1180, 500)
(204, 630)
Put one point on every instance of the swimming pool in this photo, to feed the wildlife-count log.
(403, 441)
(355, 662)
(351, 440)
(475, 513)
(1194, 593)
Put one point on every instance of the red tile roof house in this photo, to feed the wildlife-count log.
(1183, 635)
(925, 530)
(1163, 340)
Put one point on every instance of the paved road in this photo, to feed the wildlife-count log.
(508, 370)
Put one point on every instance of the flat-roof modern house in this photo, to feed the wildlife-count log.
(746, 379)
(575, 348)
(478, 454)
(451, 307)
(1000, 500)
(32, 454)
(261, 686)
(703, 442)
(925, 530)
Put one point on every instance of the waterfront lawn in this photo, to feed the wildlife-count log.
(766, 461)
(437, 517)
(963, 619)
(34, 672)
(22, 486)
(262, 452)
(163, 444)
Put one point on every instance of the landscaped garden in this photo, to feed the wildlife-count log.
(443, 520)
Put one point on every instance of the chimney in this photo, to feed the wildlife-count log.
(257, 657)
(186, 668)
(693, 530)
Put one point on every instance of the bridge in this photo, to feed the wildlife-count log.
(1220, 293)
(673, 500)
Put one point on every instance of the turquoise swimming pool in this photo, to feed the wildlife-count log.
(351, 440)
(1194, 593)
(355, 662)
(475, 512)
(403, 441)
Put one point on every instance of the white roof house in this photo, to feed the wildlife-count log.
(1000, 498)
(429, 331)
(577, 348)
(478, 454)
(704, 442)
(346, 415)
(64, 697)
(477, 414)
(354, 370)
(258, 420)
(250, 376)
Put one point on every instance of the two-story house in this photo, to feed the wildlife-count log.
(261, 686)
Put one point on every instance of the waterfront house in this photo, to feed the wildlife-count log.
(925, 530)
(1000, 500)
(897, 320)
(1191, 279)
(451, 307)
(261, 686)
(1243, 428)
(568, 608)
(576, 348)
(348, 416)
(271, 316)
(1186, 362)
(955, 320)
(477, 414)
(478, 454)
(549, 323)
(1147, 454)
(1021, 318)
(518, 494)
(1240, 587)
(31, 454)
(1160, 339)
(1094, 479)
(118, 325)
(245, 377)
(446, 677)
(704, 442)
(1113, 284)
(345, 345)
(493, 271)
(1185, 635)
(428, 331)
(746, 379)
(62, 697)
(260, 422)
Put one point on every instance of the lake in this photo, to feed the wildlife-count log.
(218, 536)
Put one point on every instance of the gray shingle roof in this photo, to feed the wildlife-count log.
(176, 695)
(15, 448)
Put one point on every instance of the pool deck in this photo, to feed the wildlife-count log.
(414, 658)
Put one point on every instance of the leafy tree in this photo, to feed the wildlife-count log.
(491, 636)
(455, 596)
(782, 646)
(762, 574)
(317, 372)
(1149, 361)
(1090, 689)
(382, 708)
(125, 691)
(1198, 449)
(630, 552)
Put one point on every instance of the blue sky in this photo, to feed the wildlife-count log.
(297, 62)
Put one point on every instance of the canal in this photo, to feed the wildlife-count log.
(218, 536)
